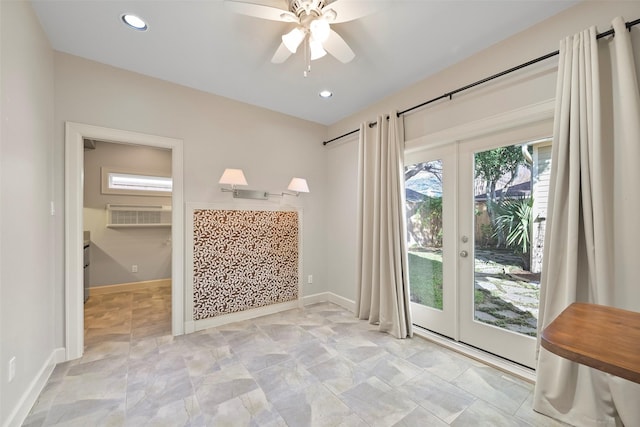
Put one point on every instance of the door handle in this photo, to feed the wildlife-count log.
(464, 254)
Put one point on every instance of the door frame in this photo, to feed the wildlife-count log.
(538, 112)
(75, 133)
(533, 115)
(521, 348)
(443, 321)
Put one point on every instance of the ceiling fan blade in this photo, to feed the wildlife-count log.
(281, 55)
(348, 10)
(337, 47)
(261, 11)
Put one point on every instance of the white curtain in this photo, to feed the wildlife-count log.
(592, 236)
(382, 293)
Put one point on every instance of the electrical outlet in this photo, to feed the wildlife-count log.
(310, 279)
(134, 268)
(12, 368)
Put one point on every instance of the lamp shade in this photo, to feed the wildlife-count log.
(233, 177)
(320, 29)
(293, 39)
(299, 185)
(317, 51)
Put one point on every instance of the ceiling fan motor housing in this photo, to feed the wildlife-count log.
(306, 7)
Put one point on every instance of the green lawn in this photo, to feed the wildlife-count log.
(425, 284)
(425, 278)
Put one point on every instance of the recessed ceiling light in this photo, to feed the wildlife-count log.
(325, 94)
(134, 22)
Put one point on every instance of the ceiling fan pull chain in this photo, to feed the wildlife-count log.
(307, 55)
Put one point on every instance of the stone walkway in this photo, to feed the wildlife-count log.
(501, 299)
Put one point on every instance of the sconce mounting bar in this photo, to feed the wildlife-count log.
(250, 194)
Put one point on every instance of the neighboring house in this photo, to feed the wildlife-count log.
(541, 174)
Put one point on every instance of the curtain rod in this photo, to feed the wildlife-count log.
(486, 79)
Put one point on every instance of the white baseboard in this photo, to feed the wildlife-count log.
(342, 302)
(189, 326)
(30, 396)
(212, 322)
(198, 325)
(332, 298)
(128, 287)
(316, 298)
(59, 355)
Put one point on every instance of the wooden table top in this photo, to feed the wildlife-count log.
(604, 338)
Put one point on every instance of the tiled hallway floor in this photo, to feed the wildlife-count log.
(313, 367)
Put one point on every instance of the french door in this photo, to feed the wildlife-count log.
(431, 181)
(475, 224)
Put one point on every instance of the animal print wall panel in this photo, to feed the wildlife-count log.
(243, 259)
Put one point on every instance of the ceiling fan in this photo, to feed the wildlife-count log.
(312, 19)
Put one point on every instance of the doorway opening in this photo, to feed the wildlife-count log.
(127, 243)
(475, 210)
(75, 135)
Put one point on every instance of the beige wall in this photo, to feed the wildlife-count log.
(26, 227)
(115, 250)
(521, 89)
(217, 133)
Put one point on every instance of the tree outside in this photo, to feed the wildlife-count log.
(424, 226)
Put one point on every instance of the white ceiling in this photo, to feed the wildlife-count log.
(206, 46)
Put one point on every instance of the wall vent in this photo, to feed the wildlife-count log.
(138, 216)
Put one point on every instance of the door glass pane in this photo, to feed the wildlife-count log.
(507, 250)
(423, 183)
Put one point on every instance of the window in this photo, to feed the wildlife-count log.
(131, 183)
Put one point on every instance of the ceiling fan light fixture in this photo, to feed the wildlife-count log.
(293, 39)
(320, 29)
(317, 51)
(329, 15)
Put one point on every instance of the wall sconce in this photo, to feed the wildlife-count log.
(235, 177)
(297, 186)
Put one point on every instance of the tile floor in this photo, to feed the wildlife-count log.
(313, 367)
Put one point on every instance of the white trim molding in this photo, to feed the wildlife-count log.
(240, 316)
(192, 325)
(486, 126)
(31, 394)
(336, 299)
(75, 133)
(129, 287)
